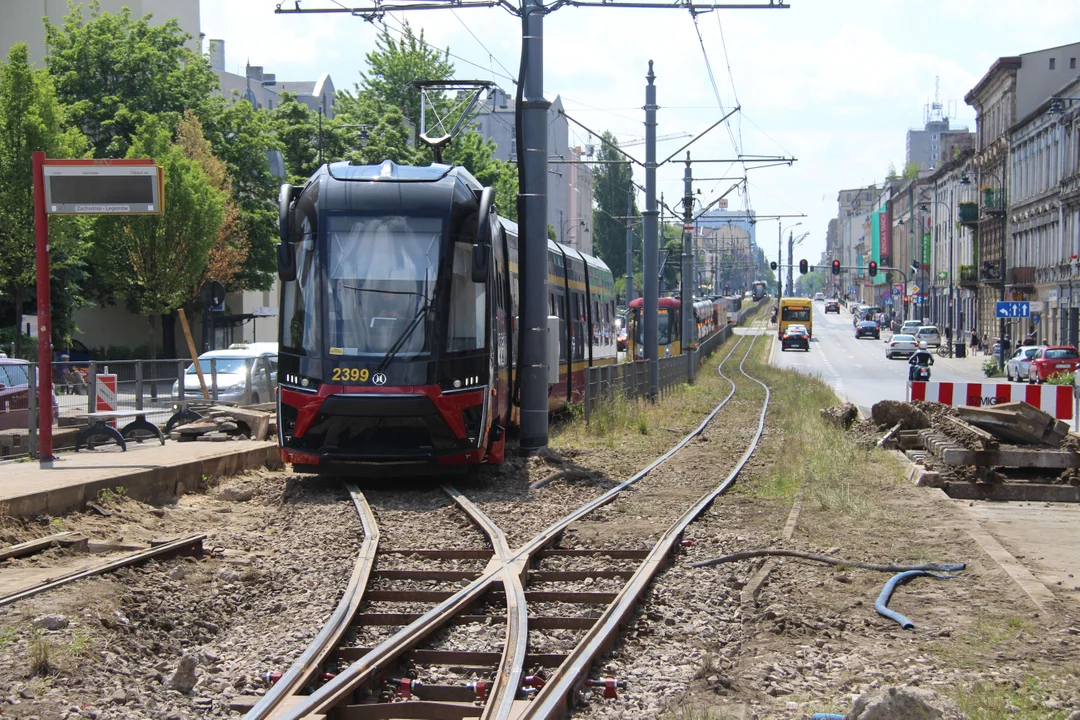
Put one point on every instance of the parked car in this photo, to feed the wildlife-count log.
(910, 327)
(241, 376)
(795, 337)
(905, 345)
(1016, 369)
(930, 335)
(1052, 360)
(832, 306)
(819, 296)
(867, 328)
(15, 397)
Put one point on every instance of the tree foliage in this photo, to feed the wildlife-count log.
(31, 119)
(113, 72)
(395, 63)
(476, 154)
(611, 188)
(302, 134)
(911, 170)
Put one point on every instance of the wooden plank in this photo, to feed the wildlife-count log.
(258, 422)
(194, 353)
(30, 547)
(983, 438)
(456, 657)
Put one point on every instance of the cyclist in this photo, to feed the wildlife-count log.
(920, 357)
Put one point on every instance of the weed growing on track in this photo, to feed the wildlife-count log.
(40, 649)
(811, 455)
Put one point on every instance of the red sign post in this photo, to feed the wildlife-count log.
(133, 186)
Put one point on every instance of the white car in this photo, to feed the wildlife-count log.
(901, 345)
(819, 296)
(929, 334)
(1016, 369)
(910, 327)
(243, 376)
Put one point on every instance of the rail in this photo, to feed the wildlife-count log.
(505, 570)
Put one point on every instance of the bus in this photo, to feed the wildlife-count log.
(796, 311)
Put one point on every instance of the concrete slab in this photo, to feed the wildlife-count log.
(148, 472)
(1044, 537)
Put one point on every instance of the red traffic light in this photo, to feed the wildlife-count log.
(873, 268)
(835, 267)
(804, 267)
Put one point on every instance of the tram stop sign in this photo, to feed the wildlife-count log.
(104, 187)
(212, 294)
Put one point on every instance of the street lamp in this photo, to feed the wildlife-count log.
(952, 316)
(964, 180)
(780, 256)
(566, 227)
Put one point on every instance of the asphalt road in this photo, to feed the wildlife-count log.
(857, 369)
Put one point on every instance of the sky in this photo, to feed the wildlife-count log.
(833, 83)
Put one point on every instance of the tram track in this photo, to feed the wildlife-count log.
(578, 597)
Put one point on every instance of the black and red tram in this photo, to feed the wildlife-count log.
(398, 320)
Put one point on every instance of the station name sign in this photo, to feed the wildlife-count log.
(103, 189)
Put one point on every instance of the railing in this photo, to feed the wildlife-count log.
(969, 212)
(1020, 275)
(630, 380)
(993, 200)
(156, 386)
(969, 275)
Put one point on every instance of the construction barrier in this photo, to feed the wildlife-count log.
(1056, 400)
(106, 394)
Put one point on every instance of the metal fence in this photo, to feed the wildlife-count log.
(631, 379)
(155, 386)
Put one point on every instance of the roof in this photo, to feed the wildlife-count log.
(234, 354)
(664, 302)
(1011, 62)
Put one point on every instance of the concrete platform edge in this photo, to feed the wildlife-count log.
(156, 485)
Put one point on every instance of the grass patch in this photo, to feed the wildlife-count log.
(688, 711)
(40, 661)
(81, 645)
(969, 648)
(811, 455)
(7, 636)
(986, 701)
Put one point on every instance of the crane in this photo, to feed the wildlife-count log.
(641, 141)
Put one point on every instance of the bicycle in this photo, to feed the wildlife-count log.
(944, 350)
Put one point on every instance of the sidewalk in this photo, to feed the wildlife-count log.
(149, 472)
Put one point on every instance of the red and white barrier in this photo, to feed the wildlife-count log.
(106, 394)
(1056, 400)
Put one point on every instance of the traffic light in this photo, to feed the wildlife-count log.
(873, 268)
(772, 266)
(835, 267)
(803, 267)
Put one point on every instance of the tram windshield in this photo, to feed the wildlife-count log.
(381, 274)
(663, 326)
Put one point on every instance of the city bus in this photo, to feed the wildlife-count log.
(796, 311)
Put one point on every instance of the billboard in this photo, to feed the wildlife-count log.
(885, 241)
(926, 249)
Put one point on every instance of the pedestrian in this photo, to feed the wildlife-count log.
(1030, 339)
(948, 335)
(974, 342)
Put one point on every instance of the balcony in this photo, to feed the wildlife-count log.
(1020, 276)
(969, 275)
(991, 273)
(994, 201)
(969, 214)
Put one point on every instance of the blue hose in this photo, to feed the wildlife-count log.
(882, 602)
(827, 716)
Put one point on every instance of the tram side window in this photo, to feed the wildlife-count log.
(468, 304)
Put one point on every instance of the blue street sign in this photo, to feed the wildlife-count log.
(1013, 309)
(885, 294)
(887, 301)
(1036, 318)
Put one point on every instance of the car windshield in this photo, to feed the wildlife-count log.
(14, 374)
(1061, 354)
(225, 365)
(928, 331)
(1030, 352)
(903, 338)
(381, 276)
(868, 324)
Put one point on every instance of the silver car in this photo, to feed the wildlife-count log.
(930, 335)
(1016, 369)
(241, 376)
(901, 345)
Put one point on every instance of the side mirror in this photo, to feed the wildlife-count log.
(481, 257)
(286, 259)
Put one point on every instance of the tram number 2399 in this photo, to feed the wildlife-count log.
(345, 374)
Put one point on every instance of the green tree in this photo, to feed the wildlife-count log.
(113, 71)
(476, 154)
(31, 119)
(891, 174)
(393, 64)
(152, 263)
(611, 186)
(388, 134)
(911, 170)
(241, 137)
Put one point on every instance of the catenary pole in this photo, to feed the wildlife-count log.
(779, 260)
(651, 291)
(687, 284)
(629, 241)
(44, 314)
(534, 385)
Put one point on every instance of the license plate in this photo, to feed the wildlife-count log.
(1063, 365)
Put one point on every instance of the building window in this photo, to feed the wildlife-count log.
(1072, 63)
(1051, 63)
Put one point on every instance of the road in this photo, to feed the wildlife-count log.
(857, 369)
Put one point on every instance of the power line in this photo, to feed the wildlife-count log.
(491, 56)
(401, 32)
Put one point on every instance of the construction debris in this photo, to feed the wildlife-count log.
(1017, 422)
(842, 415)
(887, 413)
(223, 424)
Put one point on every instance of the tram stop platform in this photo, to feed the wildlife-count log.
(148, 472)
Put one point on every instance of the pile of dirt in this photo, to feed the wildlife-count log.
(841, 416)
(887, 413)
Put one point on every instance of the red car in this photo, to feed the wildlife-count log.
(14, 398)
(1053, 360)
